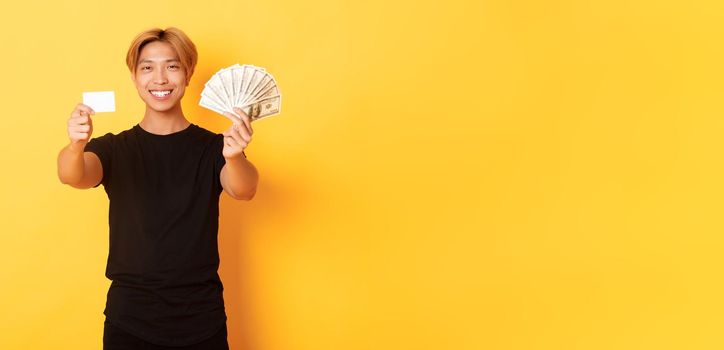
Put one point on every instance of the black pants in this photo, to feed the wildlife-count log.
(115, 338)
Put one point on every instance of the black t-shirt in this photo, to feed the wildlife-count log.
(163, 219)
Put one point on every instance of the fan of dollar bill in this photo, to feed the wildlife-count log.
(248, 87)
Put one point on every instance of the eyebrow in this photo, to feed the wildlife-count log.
(151, 61)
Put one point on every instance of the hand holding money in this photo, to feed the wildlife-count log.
(238, 136)
(249, 88)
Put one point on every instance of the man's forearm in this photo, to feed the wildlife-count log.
(241, 177)
(71, 163)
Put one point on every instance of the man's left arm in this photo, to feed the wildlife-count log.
(238, 177)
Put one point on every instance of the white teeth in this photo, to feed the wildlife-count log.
(160, 93)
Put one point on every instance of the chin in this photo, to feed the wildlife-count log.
(161, 108)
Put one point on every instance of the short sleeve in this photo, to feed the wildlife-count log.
(102, 147)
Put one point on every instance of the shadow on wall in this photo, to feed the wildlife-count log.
(240, 222)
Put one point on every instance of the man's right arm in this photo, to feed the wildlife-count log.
(76, 167)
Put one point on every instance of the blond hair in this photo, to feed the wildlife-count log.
(184, 47)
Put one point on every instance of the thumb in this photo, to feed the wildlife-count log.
(233, 118)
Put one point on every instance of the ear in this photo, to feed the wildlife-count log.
(133, 78)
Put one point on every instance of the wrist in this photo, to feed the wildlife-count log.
(77, 146)
(236, 158)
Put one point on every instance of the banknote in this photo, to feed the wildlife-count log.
(248, 87)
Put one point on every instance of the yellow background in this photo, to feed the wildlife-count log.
(444, 175)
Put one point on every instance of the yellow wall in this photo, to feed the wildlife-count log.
(444, 175)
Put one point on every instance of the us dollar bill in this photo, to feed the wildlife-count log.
(263, 108)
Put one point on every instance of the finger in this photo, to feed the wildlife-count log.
(240, 112)
(84, 108)
(80, 128)
(79, 136)
(234, 133)
(244, 126)
(246, 119)
(227, 132)
(73, 125)
(237, 141)
(242, 115)
(233, 118)
(242, 132)
(80, 120)
(230, 141)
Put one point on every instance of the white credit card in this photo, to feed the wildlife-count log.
(100, 101)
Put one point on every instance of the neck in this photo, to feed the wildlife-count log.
(164, 123)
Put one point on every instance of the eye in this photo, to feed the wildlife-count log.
(145, 68)
(173, 66)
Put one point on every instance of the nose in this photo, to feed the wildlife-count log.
(159, 76)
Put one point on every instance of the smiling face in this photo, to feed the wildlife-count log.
(159, 77)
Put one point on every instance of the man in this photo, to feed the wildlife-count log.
(163, 178)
